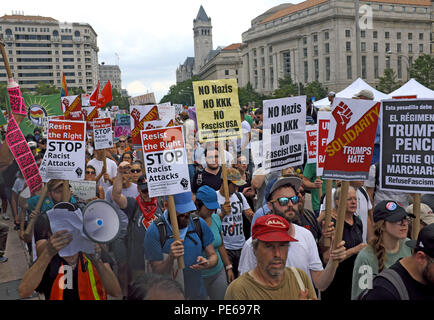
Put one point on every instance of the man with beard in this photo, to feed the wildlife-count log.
(415, 273)
(271, 280)
(303, 254)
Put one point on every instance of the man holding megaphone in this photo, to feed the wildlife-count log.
(77, 277)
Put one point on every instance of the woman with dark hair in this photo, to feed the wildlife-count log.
(127, 156)
(215, 279)
(151, 286)
(90, 175)
(386, 246)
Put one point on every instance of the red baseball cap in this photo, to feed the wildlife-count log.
(271, 228)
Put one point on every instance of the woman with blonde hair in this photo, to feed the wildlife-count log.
(385, 248)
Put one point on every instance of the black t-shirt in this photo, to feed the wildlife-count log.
(309, 222)
(382, 289)
(208, 179)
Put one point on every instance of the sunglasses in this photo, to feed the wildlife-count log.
(122, 141)
(90, 172)
(284, 201)
(135, 170)
(403, 221)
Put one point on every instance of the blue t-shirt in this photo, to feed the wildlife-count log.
(193, 285)
(262, 211)
(216, 228)
(46, 205)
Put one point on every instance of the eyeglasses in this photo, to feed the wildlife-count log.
(284, 201)
(135, 170)
(90, 172)
(303, 193)
(403, 221)
(122, 140)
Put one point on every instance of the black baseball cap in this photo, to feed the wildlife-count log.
(142, 183)
(425, 241)
(391, 211)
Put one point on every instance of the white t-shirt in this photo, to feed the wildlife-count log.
(132, 192)
(363, 206)
(401, 197)
(245, 130)
(233, 234)
(112, 170)
(302, 254)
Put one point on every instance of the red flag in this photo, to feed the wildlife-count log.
(64, 89)
(105, 95)
(94, 96)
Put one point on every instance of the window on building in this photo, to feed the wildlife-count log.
(315, 51)
(316, 65)
(398, 47)
(376, 69)
(387, 62)
(347, 33)
(387, 35)
(387, 47)
(410, 48)
(410, 36)
(262, 50)
(375, 34)
(305, 40)
(286, 63)
(327, 69)
(375, 46)
(262, 61)
(254, 52)
(348, 46)
(326, 35)
(421, 48)
(270, 60)
(306, 72)
(327, 48)
(399, 71)
(226, 72)
(364, 67)
(315, 37)
(263, 79)
(271, 78)
(362, 34)
(255, 63)
(305, 52)
(349, 68)
(270, 49)
(420, 36)
(363, 46)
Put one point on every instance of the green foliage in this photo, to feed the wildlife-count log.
(119, 100)
(286, 88)
(315, 89)
(249, 97)
(44, 89)
(388, 82)
(423, 70)
(181, 93)
(75, 91)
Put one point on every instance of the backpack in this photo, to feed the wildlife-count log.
(395, 279)
(161, 225)
(365, 194)
(246, 223)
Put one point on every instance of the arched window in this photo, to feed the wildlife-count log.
(77, 33)
(8, 32)
(55, 33)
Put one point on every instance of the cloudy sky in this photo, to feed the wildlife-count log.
(151, 37)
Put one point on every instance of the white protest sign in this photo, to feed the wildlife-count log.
(83, 190)
(284, 132)
(165, 161)
(166, 112)
(102, 133)
(65, 155)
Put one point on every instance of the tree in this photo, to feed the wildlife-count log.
(423, 70)
(118, 100)
(248, 96)
(181, 93)
(286, 88)
(76, 91)
(315, 89)
(44, 89)
(388, 82)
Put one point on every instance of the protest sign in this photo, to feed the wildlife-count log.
(122, 125)
(148, 98)
(140, 115)
(178, 109)
(66, 150)
(165, 161)
(218, 110)
(350, 143)
(407, 146)
(83, 190)
(71, 107)
(323, 133)
(166, 112)
(102, 133)
(90, 114)
(311, 143)
(284, 132)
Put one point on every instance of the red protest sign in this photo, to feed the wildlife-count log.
(323, 133)
(140, 115)
(311, 143)
(350, 144)
(71, 107)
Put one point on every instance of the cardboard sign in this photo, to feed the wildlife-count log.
(165, 161)
(350, 144)
(122, 125)
(83, 190)
(323, 133)
(71, 107)
(139, 116)
(217, 109)
(102, 133)
(166, 112)
(23, 155)
(65, 155)
(311, 143)
(284, 132)
(178, 109)
(407, 146)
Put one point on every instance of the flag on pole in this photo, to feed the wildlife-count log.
(105, 95)
(64, 90)
(94, 96)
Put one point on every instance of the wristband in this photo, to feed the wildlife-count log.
(228, 267)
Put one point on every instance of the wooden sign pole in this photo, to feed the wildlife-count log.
(175, 228)
(341, 216)
(416, 212)
(328, 215)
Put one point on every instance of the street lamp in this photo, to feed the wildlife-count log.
(389, 53)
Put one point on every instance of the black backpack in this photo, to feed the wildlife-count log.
(395, 279)
(161, 225)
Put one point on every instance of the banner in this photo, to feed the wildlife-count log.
(83, 190)
(350, 144)
(145, 99)
(165, 161)
(24, 157)
(217, 109)
(323, 133)
(407, 146)
(102, 133)
(284, 132)
(140, 115)
(122, 125)
(311, 143)
(71, 107)
(65, 155)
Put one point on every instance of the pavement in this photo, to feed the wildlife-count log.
(13, 270)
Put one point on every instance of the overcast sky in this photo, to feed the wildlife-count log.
(151, 37)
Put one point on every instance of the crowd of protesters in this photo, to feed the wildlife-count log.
(268, 240)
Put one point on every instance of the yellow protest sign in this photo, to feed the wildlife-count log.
(217, 109)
